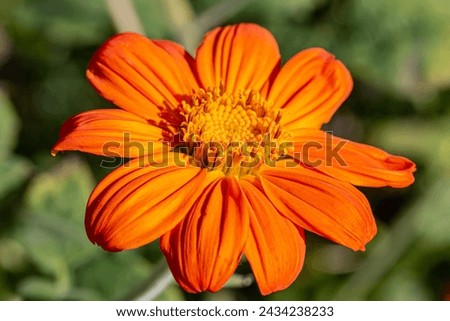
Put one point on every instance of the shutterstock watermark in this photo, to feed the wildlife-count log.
(249, 154)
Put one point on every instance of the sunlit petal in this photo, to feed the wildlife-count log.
(110, 132)
(142, 77)
(275, 246)
(242, 56)
(204, 249)
(358, 164)
(320, 204)
(139, 202)
(310, 88)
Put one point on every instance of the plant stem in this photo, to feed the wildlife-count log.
(159, 280)
(182, 19)
(124, 16)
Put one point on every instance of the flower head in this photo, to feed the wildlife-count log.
(227, 155)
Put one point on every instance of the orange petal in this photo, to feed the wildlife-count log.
(203, 251)
(110, 132)
(141, 76)
(140, 201)
(242, 56)
(275, 247)
(320, 204)
(177, 52)
(310, 88)
(352, 162)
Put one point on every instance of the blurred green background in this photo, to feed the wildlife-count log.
(398, 52)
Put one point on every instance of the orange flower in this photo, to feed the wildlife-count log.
(227, 156)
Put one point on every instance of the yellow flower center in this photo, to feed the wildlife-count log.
(213, 115)
(228, 131)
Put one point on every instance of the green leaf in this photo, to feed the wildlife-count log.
(53, 236)
(52, 229)
(400, 48)
(14, 171)
(9, 126)
(431, 215)
(114, 275)
(66, 23)
(403, 284)
(12, 256)
(39, 289)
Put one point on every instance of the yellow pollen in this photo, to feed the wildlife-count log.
(213, 115)
(228, 132)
